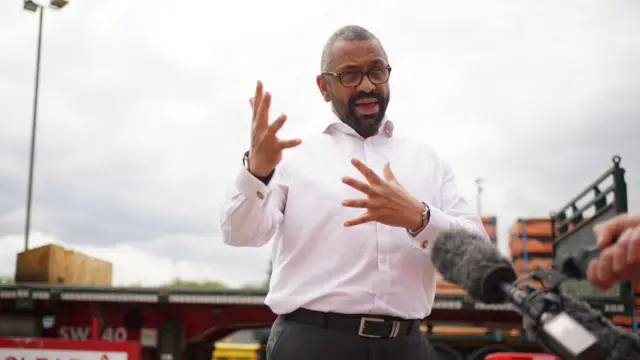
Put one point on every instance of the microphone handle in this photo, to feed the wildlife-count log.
(617, 343)
(576, 266)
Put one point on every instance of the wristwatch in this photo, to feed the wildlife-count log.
(264, 179)
(426, 216)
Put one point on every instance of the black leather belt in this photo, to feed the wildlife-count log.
(369, 326)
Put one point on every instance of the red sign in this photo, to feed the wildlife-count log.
(55, 349)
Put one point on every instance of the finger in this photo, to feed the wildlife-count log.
(605, 275)
(358, 203)
(606, 231)
(262, 114)
(358, 185)
(388, 174)
(371, 176)
(633, 253)
(619, 251)
(257, 99)
(592, 270)
(287, 144)
(362, 219)
(593, 275)
(277, 124)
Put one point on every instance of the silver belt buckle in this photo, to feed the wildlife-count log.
(395, 328)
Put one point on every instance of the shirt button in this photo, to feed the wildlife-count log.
(260, 195)
(424, 244)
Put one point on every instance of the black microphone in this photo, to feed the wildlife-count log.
(469, 261)
(575, 266)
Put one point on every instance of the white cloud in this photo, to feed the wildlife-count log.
(143, 115)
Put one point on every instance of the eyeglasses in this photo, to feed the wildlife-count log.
(353, 78)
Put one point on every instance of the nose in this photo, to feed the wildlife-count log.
(366, 85)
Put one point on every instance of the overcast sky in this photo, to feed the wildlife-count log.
(144, 116)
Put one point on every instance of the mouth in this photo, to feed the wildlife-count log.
(367, 106)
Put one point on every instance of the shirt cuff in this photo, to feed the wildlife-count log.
(252, 188)
(438, 221)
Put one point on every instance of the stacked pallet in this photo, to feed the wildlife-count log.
(531, 244)
(626, 322)
(490, 226)
(445, 288)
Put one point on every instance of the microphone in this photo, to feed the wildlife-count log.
(575, 266)
(619, 344)
(469, 261)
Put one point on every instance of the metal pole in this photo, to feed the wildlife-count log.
(34, 122)
(479, 195)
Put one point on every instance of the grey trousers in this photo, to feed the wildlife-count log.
(290, 340)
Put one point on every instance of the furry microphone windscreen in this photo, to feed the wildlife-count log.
(465, 258)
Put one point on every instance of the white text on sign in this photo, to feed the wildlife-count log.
(83, 333)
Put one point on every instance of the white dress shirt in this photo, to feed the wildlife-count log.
(318, 263)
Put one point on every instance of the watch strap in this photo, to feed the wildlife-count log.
(426, 216)
(263, 179)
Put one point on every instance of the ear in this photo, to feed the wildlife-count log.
(323, 86)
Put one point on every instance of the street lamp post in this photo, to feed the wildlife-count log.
(33, 7)
(479, 190)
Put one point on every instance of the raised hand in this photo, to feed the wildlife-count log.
(387, 202)
(266, 148)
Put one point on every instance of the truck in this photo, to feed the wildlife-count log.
(185, 324)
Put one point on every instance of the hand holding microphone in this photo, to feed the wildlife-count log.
(566, 327)
(619, 260)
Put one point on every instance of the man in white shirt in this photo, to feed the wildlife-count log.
(351, 272)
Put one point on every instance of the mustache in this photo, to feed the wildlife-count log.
(366, 95)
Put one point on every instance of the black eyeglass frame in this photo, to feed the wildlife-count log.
(362, 75)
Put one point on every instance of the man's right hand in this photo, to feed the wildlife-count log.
(266, 149)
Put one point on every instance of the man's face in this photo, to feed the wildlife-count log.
(361, 106)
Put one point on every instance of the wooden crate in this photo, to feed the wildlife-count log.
(53, 264)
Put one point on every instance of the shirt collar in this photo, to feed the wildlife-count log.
(335, 123)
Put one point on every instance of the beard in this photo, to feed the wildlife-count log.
(364, 124)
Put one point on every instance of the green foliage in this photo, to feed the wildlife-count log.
(179, 283)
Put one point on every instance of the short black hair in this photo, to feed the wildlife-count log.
(345, 33)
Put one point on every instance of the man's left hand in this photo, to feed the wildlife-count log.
(387, 202)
